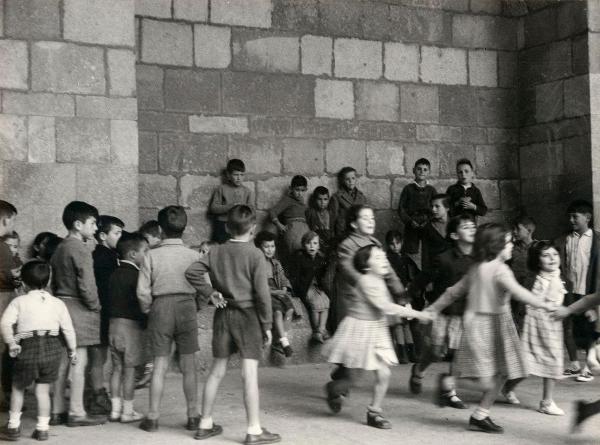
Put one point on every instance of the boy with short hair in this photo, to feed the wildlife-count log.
(227, 195)
(151, 231)
(127, 326)
(434, 235)
(414, 207)
(170, 302)
(465, 197)
(13, 241)
(239, 274)
(74, 283)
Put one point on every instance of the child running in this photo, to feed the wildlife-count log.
(362, 340)
(490, 350)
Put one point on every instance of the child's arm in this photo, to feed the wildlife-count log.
(66, 326)
(276, 211)
(376, 296)
(144, 285)
(196, 274)
(8, 320)
(451, 294)
(402, 204)
(588, 302)
(260, 286)
(86, 282)
(346, 265)
(217, 205)
(507, 280)
(480, 209)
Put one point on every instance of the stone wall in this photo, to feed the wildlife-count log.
(68, 125)
(306, 87)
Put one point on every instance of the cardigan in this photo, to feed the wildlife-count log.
(304, 269)
(372, 300)
(457, 191)
(339, 204)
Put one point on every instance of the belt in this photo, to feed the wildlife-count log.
(235, 304)
(38, 333)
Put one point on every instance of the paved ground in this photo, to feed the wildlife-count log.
(293, 405)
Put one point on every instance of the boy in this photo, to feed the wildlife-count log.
(127, 325)
(31, 325)
(464, 196)
(13, 241)
(151, 231)
(446, 330)
(106, 262)
(321, 219)
(579, 256)
(239, 274)
(73, 282)
(434, 233)
(414, 207)
(227, 195)
(170, 302)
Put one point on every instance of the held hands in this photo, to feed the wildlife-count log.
(426, 316)
(561, 313)
(14, 350)
(216, 298)
(267, 338)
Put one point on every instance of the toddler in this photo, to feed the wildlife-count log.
(347, 196)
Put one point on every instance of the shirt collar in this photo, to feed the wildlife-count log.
(421, 186)
(588, 232)
(466, 187)
(130, 263)
(171, 242)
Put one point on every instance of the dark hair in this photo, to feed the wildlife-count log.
(422, 161)
(441, 197)
(456, 221)
(129, 242)
(353, 214)
(78, 211)
(7, 210)
(308, 236)
(51, 246)
(299, 181)
(535, 251)
(392, 235)
(150, 228)
(490, 240)
(240, 219)
(11, 235)
(464, 161)
(361, 258)
(580, 206)
(318, 191)
(235, 165)
(105, 224)
(342, 175)
(262, 237)
(172, 220)
(525, 221)
(35, 274)
(40, 238)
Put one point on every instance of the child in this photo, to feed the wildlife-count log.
(490, 350)
(362, 340)
(407, 270)
(280, 287)
(170, 303)
(127, 327)
(579, 257)
(321, 219)
(227, 195)
(243, 318)
(43, 246)
(73, 282)
(346, 196)
(106, 262)
(13, 241)
(435, 239)
(291, 209)
(307, 270)
(31, 325)
(414, 207)
(151, 231)
(205, 247)
(446, 330)
(464, 196)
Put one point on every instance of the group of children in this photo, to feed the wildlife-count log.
(443, 289)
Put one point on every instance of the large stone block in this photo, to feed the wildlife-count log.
(577, 96)
(572, 18)
(502, 136)
(541, 27)
(486, 6)
(195, 153)
(13, 138)
(356, 58)
(265, 51)
(545, 159)
(496, 161)
(157, 191)
(191, 10)
(414, 151)
(483, 68)
(510, 191)
(419, 103)
(545, 63)
(40, 104)
(121, 180)
(443, 65)
(109, 22)
(13, 70)
(149, 81)
(167, 43)
(121, 72)
(334, 99)
(67, 68)
(82, 140)
(218, 124)
(593, 55)
(296, 16)
(549, 101)
(450, 5)
(458, 106)
(377, 191)
(260, 155)
(475, 135)
(507, 69)
(490, 191)
(578, 156)
(579, 50)
(212, 46)
(31, 19)
(153, 8)
(476, 31)
(124, 142)
(41, 138)
(418, 25)
(195, 191)
(401, 62)
(342, 17)
(252, 13)
(384, 158)
(303, 156)
(156, 121)
(439, 133)
(343, 152)
(291, 95)
(267, 126)
(271, 190)
(377, 101)
(397, 185)
(106, 107)
(148, 152)
(449, 153)
(317, 55)
(497, 108)
(192, 91)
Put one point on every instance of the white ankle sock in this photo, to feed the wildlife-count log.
(127, 406)
(14, 419)
(206, 423)
(115, 403)
(284, 341)
(254, 430)
(481, 413)
(42, 423)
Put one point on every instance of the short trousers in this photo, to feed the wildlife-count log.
(237, 330)
(282, 303)
(38, 361)
(172, 318)
(127, 341)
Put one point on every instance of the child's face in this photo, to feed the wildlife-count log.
(137, 256)
(464, 173)
(268, 248)
(7, 224)
(350, 180)
(322, 201)
(506, 253)
(298, 193)
(312, 247)
(580, 222)
(153, 241)
(395, 246)
(236, 177)
(87, 229)
(111, 238)
(421, 172)
(365, 223)
(204, 250)
(521, 233)
(549, 260)
(13, 245)
(378, 262)
(438, 210)
(465, 232)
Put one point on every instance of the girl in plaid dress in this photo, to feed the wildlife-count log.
(490, 351)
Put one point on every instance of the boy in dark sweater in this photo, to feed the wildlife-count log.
(240, 291)
(435, 239)
(464, 196)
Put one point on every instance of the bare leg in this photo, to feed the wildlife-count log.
(549, 389)
(382, 382)
(16, 399)
(115, 379)
(42, 395)
(161, 364)
(251, 397)
(78, 382)
(217, 372)
(314, 320)
(128, 383)
(97, 358)
(187, 362)
(323, 321)
(58, 397)
(278, 325)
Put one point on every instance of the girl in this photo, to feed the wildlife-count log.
(363, 340)
(346, 196)
(490, 351)
(320, 218)
(308, 267)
